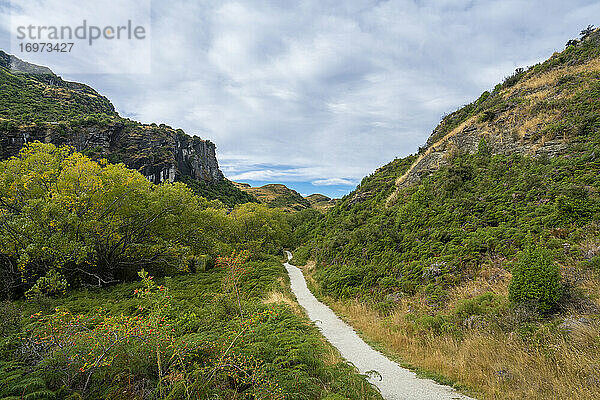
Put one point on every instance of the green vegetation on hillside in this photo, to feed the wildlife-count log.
(490, 104)
(63, 112)
(488, 259)
(224, 191)
(27, 99)
(440, 230)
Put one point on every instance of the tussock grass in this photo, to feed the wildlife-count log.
(276, 297)
(549, 78)
(552, 363)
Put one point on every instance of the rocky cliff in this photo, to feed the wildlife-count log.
(159, 153)
(38, 105)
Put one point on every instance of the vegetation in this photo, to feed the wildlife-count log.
(488, 267)
(29, 98)
(276, 196)
(44, 106)
(224, 191)
(536, 280)
(77, 235)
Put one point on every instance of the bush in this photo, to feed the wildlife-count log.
(536, 280)
(53, 284)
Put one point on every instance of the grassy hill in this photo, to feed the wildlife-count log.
(320, 202)
(276, 195)
(478, 258)
(280, 196)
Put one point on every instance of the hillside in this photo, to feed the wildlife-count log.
(320, 202)
(276, 195)
(484, 248)
(37, 105)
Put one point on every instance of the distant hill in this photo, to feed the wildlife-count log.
(320, 202)
(280, 196)
(276, 195)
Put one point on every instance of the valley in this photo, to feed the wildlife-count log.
(133, 268)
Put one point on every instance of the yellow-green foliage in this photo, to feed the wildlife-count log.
(98, 223)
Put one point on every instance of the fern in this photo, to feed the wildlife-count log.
(17, 384)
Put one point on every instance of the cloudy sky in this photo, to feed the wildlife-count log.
(313, 94)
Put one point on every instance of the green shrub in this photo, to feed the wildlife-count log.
(487, 303)
(53, 284)
(536, 280)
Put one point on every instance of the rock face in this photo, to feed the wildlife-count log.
(197, 158)
(159, 153)
(467, 138)
(37, 105)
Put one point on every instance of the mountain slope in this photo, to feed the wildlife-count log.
(320, 202)
(430, 241)
(34, 93)
(276, 195)
(37, 105)
(535, 112)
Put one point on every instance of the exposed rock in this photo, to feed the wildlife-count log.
(159, 153)
(74, 114)
(467, 140)
(358, 198)
(395, 297)
(434, 270)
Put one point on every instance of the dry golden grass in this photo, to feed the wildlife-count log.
(550, 78)
(281, 298)
(495, 365)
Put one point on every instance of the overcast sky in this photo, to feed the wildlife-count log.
(313, 94)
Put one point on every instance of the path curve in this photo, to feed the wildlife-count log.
(394, 382)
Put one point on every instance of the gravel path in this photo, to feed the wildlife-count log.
(394, 382)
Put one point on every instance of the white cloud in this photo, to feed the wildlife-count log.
(332, 182)
(318, 91)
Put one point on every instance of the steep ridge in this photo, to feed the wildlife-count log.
(531, 113)
(39, 105)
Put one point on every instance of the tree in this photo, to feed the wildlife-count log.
(587, 31)
(95, 222)
(572, 42)
(536, 280)
(259, 228)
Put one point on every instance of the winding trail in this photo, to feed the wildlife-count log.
(394, 382)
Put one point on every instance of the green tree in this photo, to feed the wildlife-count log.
(96, 222)
(536, 280)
